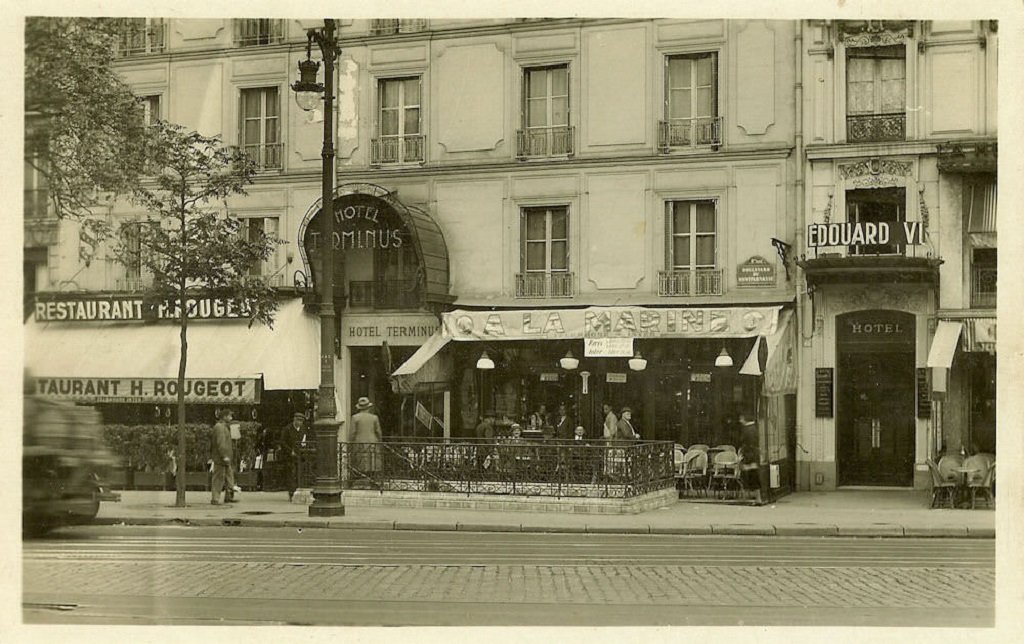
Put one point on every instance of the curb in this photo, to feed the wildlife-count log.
(596, 529)
(743, 529)
(882, 530)
(425, 526)
(807, 530)
(487, 527)
(553, 529)
(685, 530)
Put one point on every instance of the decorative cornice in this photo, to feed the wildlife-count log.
(874, 33)
(875, 173)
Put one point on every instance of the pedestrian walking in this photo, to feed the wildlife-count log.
(222, 454)
(365, 439)
(292, 438)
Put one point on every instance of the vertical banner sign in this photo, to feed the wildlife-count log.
(824, 387)
(423, 415)
(924, 397)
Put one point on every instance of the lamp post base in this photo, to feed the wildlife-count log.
(327, 488)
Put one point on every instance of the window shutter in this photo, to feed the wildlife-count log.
(669, 259)
(714, 84)
(568, 113)
(522, 240)
(665, 85)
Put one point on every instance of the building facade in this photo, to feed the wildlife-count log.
(898, 248)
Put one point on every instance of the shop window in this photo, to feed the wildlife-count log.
(399, 121)
(691, 102)
(876, 94)
(691, 249)
(251, 32)
(876, 205)
(260, 126)
(546, 131)
(141, 36)
(544, 257)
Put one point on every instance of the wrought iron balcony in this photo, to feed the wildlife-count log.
(140, 39)
(384, 294)
(251, 32)
(545, 284)
(266, 156)
(870, 128)
(397, 149)
(133, 284)
(983, 287)
(688, 133)
(537, 142)
(702, 281)
(387, 26)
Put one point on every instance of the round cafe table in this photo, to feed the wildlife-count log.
(961, 486)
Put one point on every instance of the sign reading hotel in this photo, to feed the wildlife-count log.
(120, 308)
(360, 221)
(611, 322)
(149, 390)
(909, 233)
(397, 330)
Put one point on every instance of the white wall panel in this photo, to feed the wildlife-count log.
(471, 96)
(616, 93)
(615, 230)
(197, 103)
(954, 91)
(471, 217)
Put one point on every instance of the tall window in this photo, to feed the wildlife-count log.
(141, 36)
(545, 253)
(691, 250)
(250, 32)
(876, 93)
(150, 109)
(399, 121)
(876, 205)
(260, 135)
(984, 273)
(133, 257)
(37, 192)
(691, 101)
(546, 112)
(254, 229)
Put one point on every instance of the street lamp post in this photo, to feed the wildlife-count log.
(308, 92)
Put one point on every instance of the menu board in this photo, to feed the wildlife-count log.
(924, 396)
(824, 388)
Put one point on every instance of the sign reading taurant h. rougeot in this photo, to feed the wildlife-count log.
(865, 233)
(119, 308)
(149, 390)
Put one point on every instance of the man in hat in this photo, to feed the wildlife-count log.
(625, 430)
(364, 438)
(222, 454)
(290, 443)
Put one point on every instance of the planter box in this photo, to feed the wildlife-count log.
(247, 480)
(118, 478)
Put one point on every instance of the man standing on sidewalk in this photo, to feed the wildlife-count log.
(221, 453)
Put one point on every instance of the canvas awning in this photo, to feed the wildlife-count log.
(780, 362)
(947, 336)
(284, 356)
(425, 365)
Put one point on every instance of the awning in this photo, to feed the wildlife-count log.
(780, 362)
(947, 336)
(980, 334)
(425, 365)
(285, 356)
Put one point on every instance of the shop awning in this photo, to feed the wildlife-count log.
(780, 362)
(286, 357)
(947, 335)
(425, 365)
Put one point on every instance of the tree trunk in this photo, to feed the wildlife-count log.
(181, 482)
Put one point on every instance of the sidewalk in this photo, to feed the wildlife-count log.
(863, 513)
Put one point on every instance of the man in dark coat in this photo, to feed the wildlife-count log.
(222, 454)
(564, 424)
(292, 439)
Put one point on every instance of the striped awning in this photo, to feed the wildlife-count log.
(980, 334)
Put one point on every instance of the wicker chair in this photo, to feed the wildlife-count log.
(983, 485)
(725, 471)
(941, 486)
(695, 471)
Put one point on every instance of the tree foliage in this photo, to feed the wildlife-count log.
(85, 130)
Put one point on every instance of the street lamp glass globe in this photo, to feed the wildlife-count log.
(308, 101)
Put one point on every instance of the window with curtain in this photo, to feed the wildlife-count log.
(876, 93)
(399, 120)
(254, 229)
(692, 237)
(546, 96)
(260, 126)
(545, 238)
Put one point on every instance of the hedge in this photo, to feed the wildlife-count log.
(150, 447)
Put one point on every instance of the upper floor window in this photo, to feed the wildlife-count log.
(546, 130)
(874, 206)
(691, 249)
(876, 93)
(399, 121)
(260, 126)
(691, 102)
(150, 109)
(250, 32)
(133, 257)
(37, 193)
(545, 253)
(254, 229)
(385, 26)
(141, 36)
(984, 275)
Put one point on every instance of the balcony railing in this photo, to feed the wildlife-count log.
(397, 149)
(983, 287)
(387, 26)
(688, 133)
(384, 294)
(141, 39)
(251, 32)
(275, 280)
(545, 284)
(553, 468)
(702, 281)
(133, 284)
(545, 142)
(865, 128)
(266, 156)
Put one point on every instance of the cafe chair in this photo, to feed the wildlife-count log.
(942, 487)
(983, 485)
(948, 465)
(695, 471)
(726, 472)
(678, 459)
(724, 448)
(698, 446)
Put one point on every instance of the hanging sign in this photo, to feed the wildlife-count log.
(608, 347)
(824, 387)
(149, 390)
(756, 271)
(924, 396)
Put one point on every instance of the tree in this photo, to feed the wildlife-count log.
(188, 244)
(85, 130)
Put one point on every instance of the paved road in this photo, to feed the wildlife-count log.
(260, 575)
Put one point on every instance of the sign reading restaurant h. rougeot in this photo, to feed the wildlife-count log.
(126, 308)
(149, 390)
(611, 322)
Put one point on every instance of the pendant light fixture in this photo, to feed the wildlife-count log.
(723, 359)
(569, 362)
(637, 362)
(485, 362)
